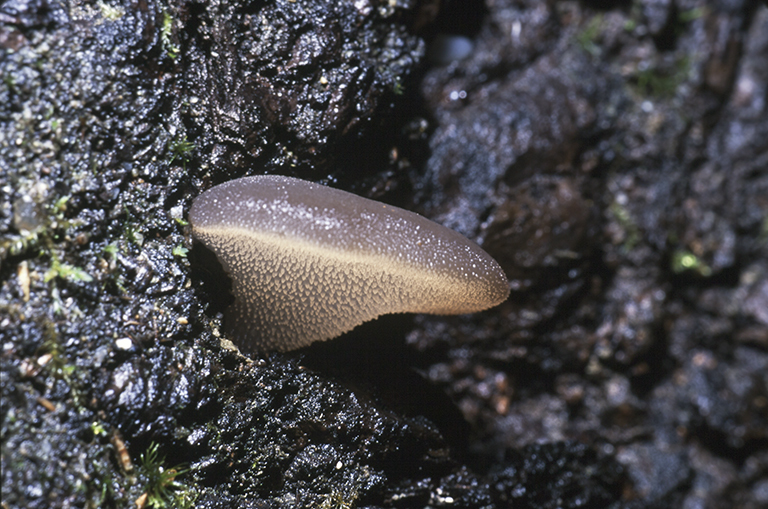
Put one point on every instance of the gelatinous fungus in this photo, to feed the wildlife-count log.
(310, 262)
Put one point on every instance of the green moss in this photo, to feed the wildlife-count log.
(59, 269)
(113, 275)
(131, 229)
(587, 38)
(627, 224)
(338, 500)
(659, 81)
(65, 271)
(109, 12)
(10, 82)
(15, 245)
(52, 229)
(99, 486)
(180, 251)
(185, 499)
(398, 88)
(98, 429)
(684, 261)
(161, 487)
(181, 149)
(166, 32)
(58, 366)
(691, 14)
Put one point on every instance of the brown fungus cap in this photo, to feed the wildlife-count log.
(310, 262)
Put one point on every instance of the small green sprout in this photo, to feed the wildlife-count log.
(683, 260)
(57, 365)
(181, 149)
(132, 233)
(166, 31)
(15, 245)
(161, 486)
(66, 271)
(60, 206)
(10, 82)
(185, 499)
(691, 14)
(98, 428)
(660, 82)
(398, 88)
(111, 13)
(588, 37)
(180, 251)
(338, 500)
(627, 224)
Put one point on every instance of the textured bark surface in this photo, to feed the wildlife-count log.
(613, 158)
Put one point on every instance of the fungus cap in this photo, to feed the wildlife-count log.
(310, 262)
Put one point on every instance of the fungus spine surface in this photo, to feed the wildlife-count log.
(309, 262)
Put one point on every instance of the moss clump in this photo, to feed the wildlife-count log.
(161, 489)
(181, 149)
(685, 261)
